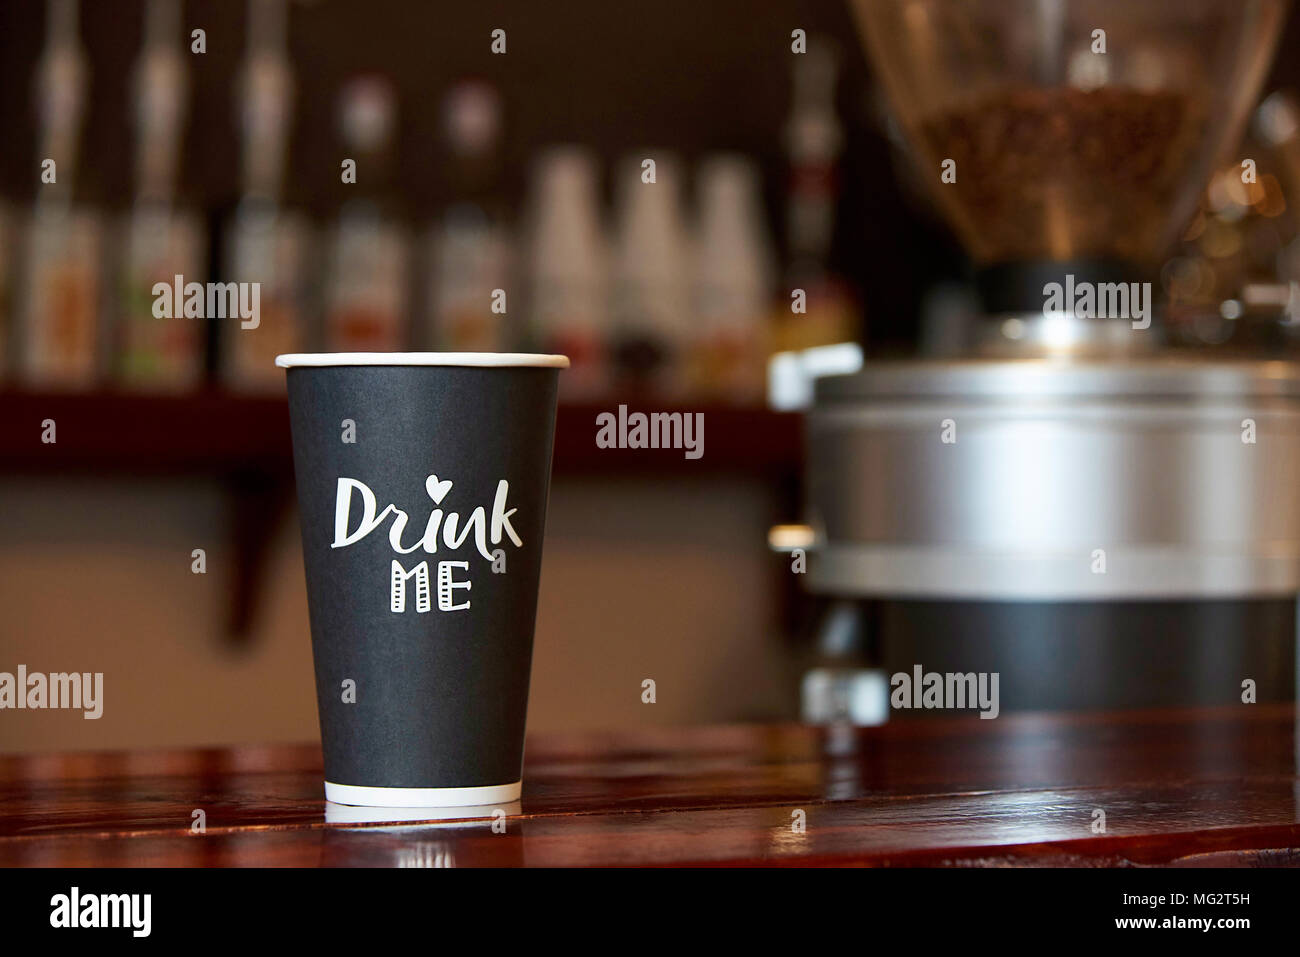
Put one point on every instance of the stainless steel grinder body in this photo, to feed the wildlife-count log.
(1116, 533)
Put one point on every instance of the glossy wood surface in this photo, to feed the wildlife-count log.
(1200, 787)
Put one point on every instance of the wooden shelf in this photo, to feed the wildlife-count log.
(219, 433)
(737, 439)
(243, 441)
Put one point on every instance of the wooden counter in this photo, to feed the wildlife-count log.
(1190, 787)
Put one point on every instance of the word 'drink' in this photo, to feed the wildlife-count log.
(453, 535)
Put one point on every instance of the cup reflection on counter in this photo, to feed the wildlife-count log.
(423, 836)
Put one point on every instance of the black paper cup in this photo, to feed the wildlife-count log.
(422, 485)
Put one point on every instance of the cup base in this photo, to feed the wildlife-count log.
(344, 814)
(359, 796)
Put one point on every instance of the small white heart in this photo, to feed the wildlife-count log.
(437, 490)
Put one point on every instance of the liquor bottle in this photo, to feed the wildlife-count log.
(733, 281)
(266, 243)
(8, 229)
(566, 263)
(653, 323)
(814, 139)
(160, 342)
(468, 248)
(366, 296)
(63, 343)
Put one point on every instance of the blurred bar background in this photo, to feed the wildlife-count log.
(475, 172)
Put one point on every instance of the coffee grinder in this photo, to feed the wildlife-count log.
(1100, 517)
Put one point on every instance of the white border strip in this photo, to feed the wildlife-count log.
(359, 796)
(355, 814)
(485, 360)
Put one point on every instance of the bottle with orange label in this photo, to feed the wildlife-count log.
(160, 343)
(60, 313)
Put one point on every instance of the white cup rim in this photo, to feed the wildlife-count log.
(482, 360)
